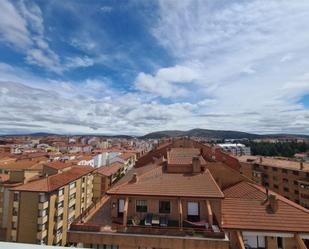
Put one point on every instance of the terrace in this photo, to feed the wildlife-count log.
(100, 221)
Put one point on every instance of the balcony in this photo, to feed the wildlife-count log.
(100, 221)
(73, 190)
(71, 202)
(57, 238)
(43, 205)
(14, 218)
(59, 224)
(59, 211)
(15, 204)
(60, 198)
(42, 234)
(42, 219)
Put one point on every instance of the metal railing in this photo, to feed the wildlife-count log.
(150, 230)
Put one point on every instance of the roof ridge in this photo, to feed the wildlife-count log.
(210, 175)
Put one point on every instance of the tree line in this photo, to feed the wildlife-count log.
(285, 149)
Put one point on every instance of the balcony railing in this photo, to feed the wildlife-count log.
(150, 230)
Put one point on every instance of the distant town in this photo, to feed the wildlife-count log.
(103, 192)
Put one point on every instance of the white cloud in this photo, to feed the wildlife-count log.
(236, 48)
(167, 82)
(13, 28)
(22, 27)
(79, 62)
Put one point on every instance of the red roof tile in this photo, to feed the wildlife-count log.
(54, 182)
(158, 183)
(111, 169)
(244, 208)
(58, 164)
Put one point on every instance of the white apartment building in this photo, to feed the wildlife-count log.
(236, 149)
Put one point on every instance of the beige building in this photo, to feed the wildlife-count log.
(41, 211)
(286, 177)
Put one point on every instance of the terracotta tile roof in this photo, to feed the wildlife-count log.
(244, 208)
(126, 155)
(86, 158)
(4, 177)
(183, 156)
(274, 162)
(58, 164)
(184, 152)
(111, 169)
(158, 183)
(21, 165)
(54, 182)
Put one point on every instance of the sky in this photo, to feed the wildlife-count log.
(133, 67)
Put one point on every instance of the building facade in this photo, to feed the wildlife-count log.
(41, 211)
(286, 177)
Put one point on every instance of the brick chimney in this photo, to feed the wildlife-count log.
(273, 204)
(134, 178)
(196, 164)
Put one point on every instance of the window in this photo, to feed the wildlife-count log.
(72, 197)
(296, 192)
(42, 197)
(276, 186)
(58, 231)
(42, 213)
(284, 171)
(295, 172)
(286, 189)
(41, 227)
(141, 206)
(60, 204)
(72, 208)
(164, 207)
(266, 184)
(72, 185)
(14, 225)
(58, 218)
(285, 180)
(193, 208)
(274, 169)
(16, 196)
(15, 212)
(295, 182)
(61, 192)
(265, 167)
(275, 178)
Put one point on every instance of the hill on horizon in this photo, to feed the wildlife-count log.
(219, 134)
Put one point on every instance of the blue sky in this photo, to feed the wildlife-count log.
(138, 66)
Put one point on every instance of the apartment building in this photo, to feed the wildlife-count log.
(236, 149)
(105, 176)
(41, 211)
(188, 200)
(286, 177)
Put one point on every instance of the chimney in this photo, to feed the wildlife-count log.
(272, 204)
(301, 165)
(196, 164)
(261, 159)
(168, 154)
(134, 178)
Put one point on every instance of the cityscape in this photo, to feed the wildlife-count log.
(158, 124)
